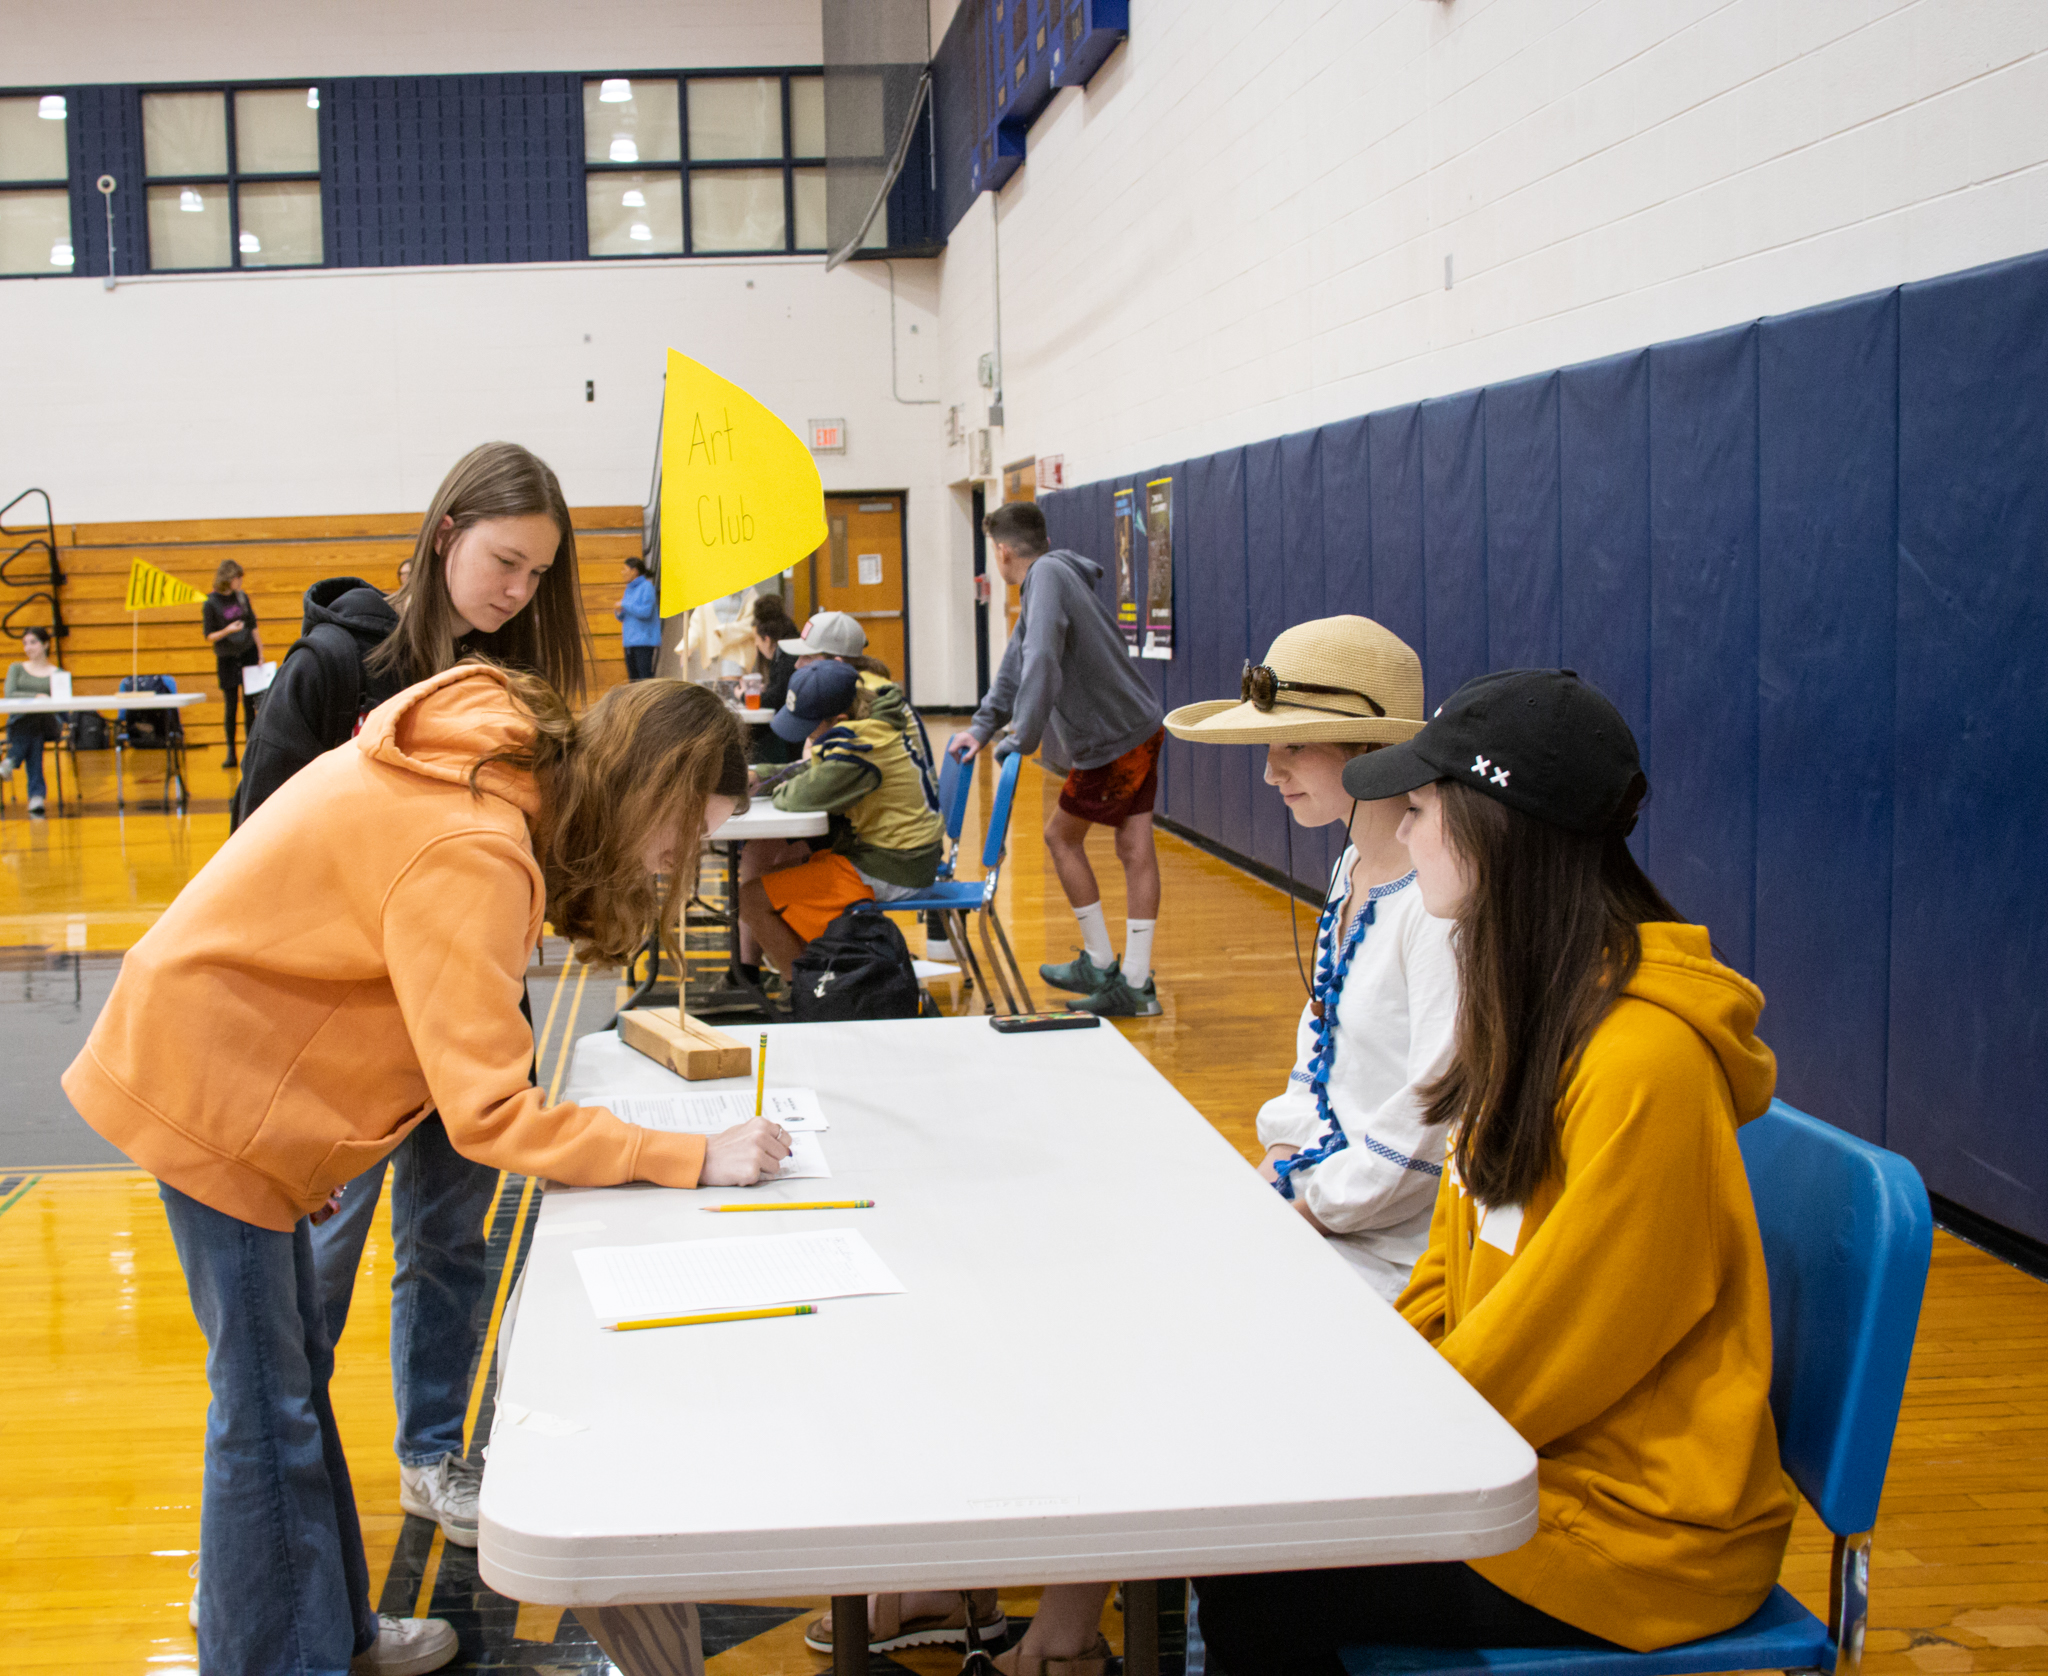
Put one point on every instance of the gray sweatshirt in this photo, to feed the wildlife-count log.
(1066, 681)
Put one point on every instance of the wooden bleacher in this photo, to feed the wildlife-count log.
(280, 558)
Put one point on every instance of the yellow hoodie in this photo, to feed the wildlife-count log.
(351, 959)
(1622, 1324)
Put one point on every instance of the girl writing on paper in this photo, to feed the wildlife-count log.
(1347, 1141)
(1594, 1268)
(229, 623)
(349, 961)
(27, 735)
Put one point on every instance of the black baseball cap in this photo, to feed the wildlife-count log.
(1542, 741)
(816, 691)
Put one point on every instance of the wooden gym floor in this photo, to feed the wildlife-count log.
(102, 1386)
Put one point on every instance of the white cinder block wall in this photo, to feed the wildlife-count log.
(1238, 230)
(1240, 227)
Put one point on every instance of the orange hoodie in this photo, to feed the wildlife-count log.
(1621, 1320)
(351, 959)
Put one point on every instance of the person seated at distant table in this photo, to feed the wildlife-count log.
(28, 734)
(885, 839)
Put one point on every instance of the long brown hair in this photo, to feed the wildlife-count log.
(645, 758)
(548, 638)
(1546, 940)
(225, 575)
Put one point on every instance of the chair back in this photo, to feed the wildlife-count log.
(1847, 1235)
(999, 812)
(956, 780)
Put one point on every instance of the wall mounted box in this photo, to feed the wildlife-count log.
(1087, 32)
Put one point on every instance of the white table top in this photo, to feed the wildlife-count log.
(756, 717)
(100, 701)
(1110, 1326)
(764, 820)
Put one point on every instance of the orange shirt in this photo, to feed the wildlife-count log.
(351, 959)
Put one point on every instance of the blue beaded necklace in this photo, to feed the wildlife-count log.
(1332, 966)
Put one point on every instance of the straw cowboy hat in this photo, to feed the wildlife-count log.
(1344, 680)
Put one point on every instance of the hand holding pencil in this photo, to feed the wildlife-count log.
(751, 1151)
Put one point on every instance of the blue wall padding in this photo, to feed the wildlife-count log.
(1454, 540)
(1808, 560)
(104, 137)
(1968, 1060)
(1603, 426)
(1524, 571)
(1701, 822)
(1394, 503)
(1827, 446)
(1265, 617)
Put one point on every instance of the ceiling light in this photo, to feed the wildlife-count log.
(251, 245)
(615, 90)
(312, 98)
(51, 107)
(635, 199)
(624, 150)
(190, 201)
(641, 232)
(60, 254)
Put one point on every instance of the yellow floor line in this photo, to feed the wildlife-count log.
(505, 1277)
(429, 1575)
(568, 1028)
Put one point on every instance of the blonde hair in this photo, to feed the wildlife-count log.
(645, 758)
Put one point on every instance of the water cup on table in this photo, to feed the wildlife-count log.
(750, 691)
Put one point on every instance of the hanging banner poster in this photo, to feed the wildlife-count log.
(741, 499)
(1127, 531)
(1159, 568)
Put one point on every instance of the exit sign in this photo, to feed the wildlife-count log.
(828, 436)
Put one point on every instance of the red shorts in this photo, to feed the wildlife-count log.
(811, 895)
(1113, 793)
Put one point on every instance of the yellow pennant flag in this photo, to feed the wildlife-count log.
(149, 587)
(740, 494)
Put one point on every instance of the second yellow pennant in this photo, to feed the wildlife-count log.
(149, 588)
(740, 494)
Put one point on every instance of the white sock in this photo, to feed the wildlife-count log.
(1138, 951)
(1095, 934)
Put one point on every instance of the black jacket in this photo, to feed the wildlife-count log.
(322, 688)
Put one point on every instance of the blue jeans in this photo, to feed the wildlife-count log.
(438, 1202)
(25, 744)
(284, 1589)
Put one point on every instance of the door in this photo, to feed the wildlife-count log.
(859, 570)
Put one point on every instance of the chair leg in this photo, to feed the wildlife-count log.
(957, 934)
(1849, 1601)
(995, 964)
(1002, 936)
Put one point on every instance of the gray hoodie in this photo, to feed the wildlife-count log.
(1066, 681)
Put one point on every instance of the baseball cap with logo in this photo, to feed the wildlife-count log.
(816, 691)
(830, 634)
(1542, 741)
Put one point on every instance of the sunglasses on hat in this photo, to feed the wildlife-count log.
(1261, 687)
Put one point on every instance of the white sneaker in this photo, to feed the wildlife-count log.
(444, 1491)
(406, 1647)
(192, 1611)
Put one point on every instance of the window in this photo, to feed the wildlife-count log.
(35, 192)
(233, 178)
(705, 165)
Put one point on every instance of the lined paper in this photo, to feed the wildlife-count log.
(690, 1277)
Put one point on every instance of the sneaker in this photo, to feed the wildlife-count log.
(406, 1647)
(1079, 976)
(444, 1491)
(1117, 999)
(35, 805)
(228, 761)
(192, 1611)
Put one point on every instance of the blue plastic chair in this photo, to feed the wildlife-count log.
(961, 900)
(1847, 1236)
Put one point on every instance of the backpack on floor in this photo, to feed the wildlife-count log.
(859, 968)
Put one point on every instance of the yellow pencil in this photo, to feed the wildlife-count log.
(809, 1204)
(761, 1074)
(722, 1315)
